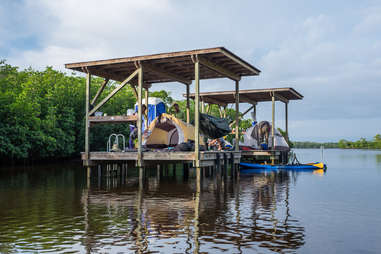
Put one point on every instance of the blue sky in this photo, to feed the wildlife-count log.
(330, 51)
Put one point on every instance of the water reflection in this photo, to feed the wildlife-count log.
(168, 214)
(52, 209)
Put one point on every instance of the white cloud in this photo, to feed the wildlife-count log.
(371, 23)
(333, 58)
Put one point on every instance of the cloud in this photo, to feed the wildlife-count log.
(330, 52)
(371, 23)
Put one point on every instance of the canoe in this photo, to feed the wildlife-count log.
(268, 167)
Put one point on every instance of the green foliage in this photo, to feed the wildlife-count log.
(362, 143)
(42, 114)
(308, 144)
(284, 134)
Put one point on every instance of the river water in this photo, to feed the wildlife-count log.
(51, 209)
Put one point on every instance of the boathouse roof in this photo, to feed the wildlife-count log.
(251, 96)
(169, 67)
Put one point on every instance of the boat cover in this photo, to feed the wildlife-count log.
(250, 139)
(214, 127)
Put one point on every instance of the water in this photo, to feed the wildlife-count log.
(50, 209)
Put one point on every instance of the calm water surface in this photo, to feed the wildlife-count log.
(51, 209)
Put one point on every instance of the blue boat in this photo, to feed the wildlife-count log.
(267, 167)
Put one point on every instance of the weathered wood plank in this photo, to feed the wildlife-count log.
(197, 112)
(219, 69)
(241, 62)
(140, 113)
(87, 107)
(177, 62)
(188, 104)
(100, 104)
(251, 96)
(112, 119)
(167, 74)
(286, 120)
(237, 115)
(280, 97)
(100, 90)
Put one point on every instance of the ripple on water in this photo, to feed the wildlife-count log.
(168, 216)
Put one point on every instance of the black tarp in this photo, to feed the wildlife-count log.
(214, 127)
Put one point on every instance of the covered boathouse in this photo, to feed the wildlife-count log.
(253, 96)
(140, 72)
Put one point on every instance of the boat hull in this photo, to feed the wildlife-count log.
(268, 167)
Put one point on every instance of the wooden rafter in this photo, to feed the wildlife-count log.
(166, 73)
(245, 98)
(100, 104)
(217, 68)
(241, 62)
(212, 100)
(280, 97)
(172, 66)
(251, 96)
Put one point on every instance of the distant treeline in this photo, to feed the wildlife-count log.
(307, 144)
(362, 143)
(42, 113)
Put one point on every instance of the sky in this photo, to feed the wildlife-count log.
(329, 51)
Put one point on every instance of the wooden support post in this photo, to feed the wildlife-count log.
(108, 97)
(100, 90)
(146, 113)
(141, 176)
(202, 107)
(286, 116)
(174, 170)
(185, 171)
(188, 105)
(87, 125)
(197, 114)
(158, 172)
(135, 91)
(225, 107)
(231, 161)
(221, 112)
(237, 115)
(255, 112)
(225, 171)
(208, 108)
(139, 123)
(273, 126)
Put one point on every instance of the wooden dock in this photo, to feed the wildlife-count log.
(207, 158)
(184, 67)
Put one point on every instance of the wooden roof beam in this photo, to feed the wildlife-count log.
(241, 62)
(280, 97)
(166, 73)
(213, 101)
(247, 99)
(219, 69)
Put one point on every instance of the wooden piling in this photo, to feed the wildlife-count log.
(197, 113)
(188, 105)
(237, 115)
(273, 126)
(185, 171)
(286, 120)
(139, 123)
(146, 103)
